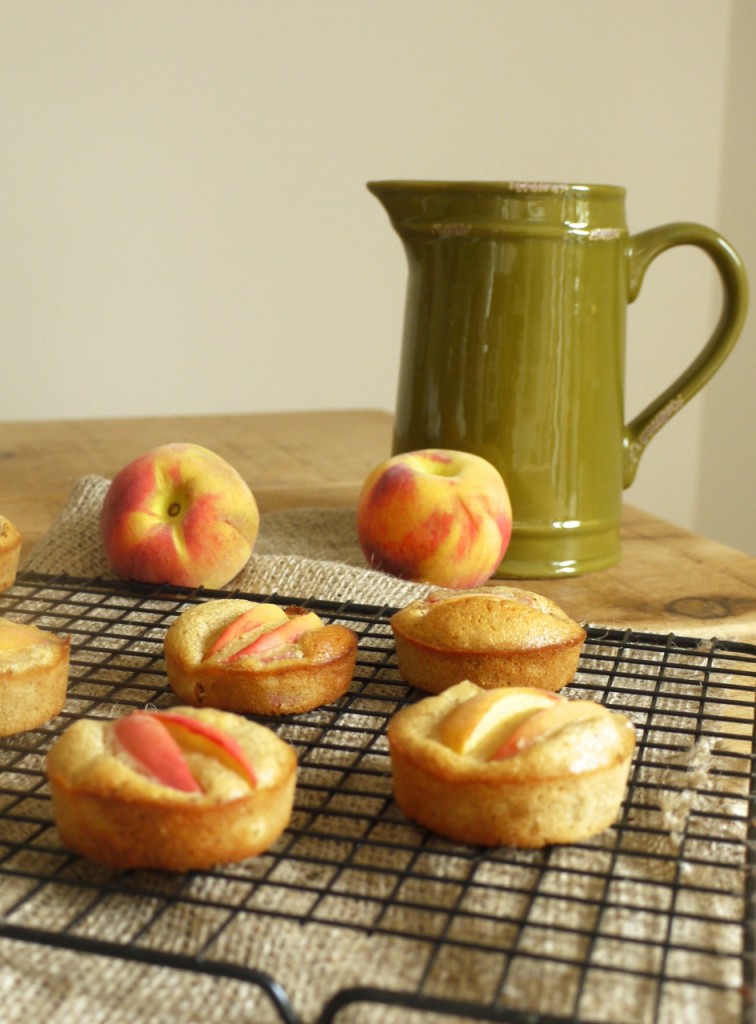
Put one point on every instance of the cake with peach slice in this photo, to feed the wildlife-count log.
(33, 676)
(510, 767)
(176, 790)
(494, 636)
(10, 552)
(257, 657)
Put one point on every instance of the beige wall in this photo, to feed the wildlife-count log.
(186, 227)
(726, 498)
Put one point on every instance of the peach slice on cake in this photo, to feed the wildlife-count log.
(480, 724)
(545, 722)
(256, 618)
(155, 750)
(157, 741)
(289, 632)
(201, 736)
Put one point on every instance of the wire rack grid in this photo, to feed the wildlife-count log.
(356, 913)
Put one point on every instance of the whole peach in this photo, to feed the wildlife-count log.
(436, 516)
(179, 514)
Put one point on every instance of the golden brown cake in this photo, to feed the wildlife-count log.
(10, 550)
(517, 767)
(494, 636)
(257, 657)
(178, 790)
(33, 676)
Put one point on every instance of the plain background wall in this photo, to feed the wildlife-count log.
(186, 227)
(725, 503)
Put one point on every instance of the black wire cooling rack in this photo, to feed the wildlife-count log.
(356, 914)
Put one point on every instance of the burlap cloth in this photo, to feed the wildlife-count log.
(314, 553)
(303, 553)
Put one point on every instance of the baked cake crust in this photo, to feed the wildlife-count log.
(10, 551)
(495, 636)
(109, 811)
(33, 676)
(562, 789)
(318, 671)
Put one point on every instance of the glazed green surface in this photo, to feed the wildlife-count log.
(514, 348)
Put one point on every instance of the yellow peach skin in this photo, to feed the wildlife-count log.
(498, 724)
(485, 720)
(493, 725)
(543, 723)
(435, 516)
(179, 514)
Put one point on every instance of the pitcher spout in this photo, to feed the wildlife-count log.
(420, 211)
(398, 199)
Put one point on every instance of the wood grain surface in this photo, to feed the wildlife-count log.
(668, 580)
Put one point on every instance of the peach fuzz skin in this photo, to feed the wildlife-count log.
(179, 514)
(435, 516)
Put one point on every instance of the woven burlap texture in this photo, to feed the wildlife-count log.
(313, 553)
(304, 553)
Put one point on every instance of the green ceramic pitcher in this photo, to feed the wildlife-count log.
(514, 348)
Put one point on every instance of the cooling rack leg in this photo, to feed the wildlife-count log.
(156, 958)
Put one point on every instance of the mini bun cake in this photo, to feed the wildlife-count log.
(33, 676)
(257, 657)
(10, 551)
(494, 636)
(517, 767)
(178, 790)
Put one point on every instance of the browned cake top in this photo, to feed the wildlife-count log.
(488, 619)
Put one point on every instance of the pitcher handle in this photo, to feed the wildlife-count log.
(645, 247)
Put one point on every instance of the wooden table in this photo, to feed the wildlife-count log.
(668, 580)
